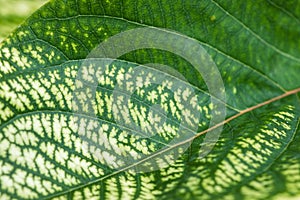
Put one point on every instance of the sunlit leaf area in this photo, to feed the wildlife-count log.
(150, 99)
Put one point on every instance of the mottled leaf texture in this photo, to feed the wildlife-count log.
(59, 140)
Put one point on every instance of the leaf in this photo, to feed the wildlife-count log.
(63, 133)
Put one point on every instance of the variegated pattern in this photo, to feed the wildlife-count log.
(59, 140)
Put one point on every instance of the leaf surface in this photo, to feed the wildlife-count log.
(60, 135)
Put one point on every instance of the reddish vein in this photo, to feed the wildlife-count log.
(288, 93)
(295, 91)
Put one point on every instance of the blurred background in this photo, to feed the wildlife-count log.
(14, 12)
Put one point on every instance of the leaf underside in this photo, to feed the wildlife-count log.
(52, 146)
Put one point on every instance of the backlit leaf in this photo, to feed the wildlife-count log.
(144, 123)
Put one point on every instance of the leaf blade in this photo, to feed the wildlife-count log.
(254, 78)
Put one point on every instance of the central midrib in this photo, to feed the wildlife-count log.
(286, 94)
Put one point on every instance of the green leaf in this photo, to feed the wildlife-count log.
(67, 132)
